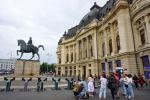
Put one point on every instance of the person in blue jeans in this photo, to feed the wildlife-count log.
(81, 92)
(130, 91)
(123, 88)
(103, 86)
(84, 93)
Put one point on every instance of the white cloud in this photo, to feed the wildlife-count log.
(43, 20)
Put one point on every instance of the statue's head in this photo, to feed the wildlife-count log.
(30, 38)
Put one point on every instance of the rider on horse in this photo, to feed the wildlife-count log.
(30, 45)
(28, 48)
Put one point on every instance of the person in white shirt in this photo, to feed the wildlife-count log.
(129, 87)
(123, 88)
(128, 84)
(103, 87)
(90, 86)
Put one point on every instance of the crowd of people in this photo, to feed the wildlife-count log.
(117, 84)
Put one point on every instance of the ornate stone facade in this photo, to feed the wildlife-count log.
(109, 37)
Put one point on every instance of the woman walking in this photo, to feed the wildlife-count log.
(136, 81)
(129, 87)
(103, 86)
(90, 86)
(112, 85)
(123, 88)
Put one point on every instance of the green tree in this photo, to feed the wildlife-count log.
(45, 67)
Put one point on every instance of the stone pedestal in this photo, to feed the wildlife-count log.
(27, 68)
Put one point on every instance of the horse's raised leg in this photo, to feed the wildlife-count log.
(21, 55)
(38, 56)
(32, 56)
(17, 52)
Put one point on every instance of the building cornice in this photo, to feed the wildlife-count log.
(139, 10)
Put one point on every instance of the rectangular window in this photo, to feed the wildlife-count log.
(59, 71)
(71, 57)
(70, 70)
(118, 63)
(146, 65)
(90, 72)
(110, 66)
(59, 60)
(79, 72)
(66, 71)
(74, 72)
(145, 60)
(103, 67)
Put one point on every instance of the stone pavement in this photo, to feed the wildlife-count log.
(141, 94)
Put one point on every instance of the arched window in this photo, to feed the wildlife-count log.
(142, 36)
(103, 49)
(110, 46)
(118, 42)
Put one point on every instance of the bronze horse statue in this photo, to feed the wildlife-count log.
(28, 49)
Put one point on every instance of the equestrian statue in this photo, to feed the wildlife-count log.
(28, 48)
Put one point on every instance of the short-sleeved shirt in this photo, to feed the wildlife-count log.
(103, 82)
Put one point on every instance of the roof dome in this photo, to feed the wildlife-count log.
(91, 15)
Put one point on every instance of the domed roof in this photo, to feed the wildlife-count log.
(90, 16)
(96, 12)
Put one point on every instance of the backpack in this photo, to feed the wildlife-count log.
(111, 83)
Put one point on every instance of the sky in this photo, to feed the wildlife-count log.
(43, 20)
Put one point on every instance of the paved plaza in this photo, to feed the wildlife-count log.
(141, 94)
(49, 94)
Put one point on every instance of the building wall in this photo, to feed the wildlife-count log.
(7, 64)
(122, 21)
(140, 16)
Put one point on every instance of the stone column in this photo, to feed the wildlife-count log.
(95, 54)
(91, 45)
(87, 47)
(63, 70)
(100, 41)
(72, 71)
(68, 74)
(82, 46)
(114, 65)
(68, 52)
(113, 39)
(77, 51)
(125, 31)
(63, 55)
(74, 52)
(147, 28)
(106, 43)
